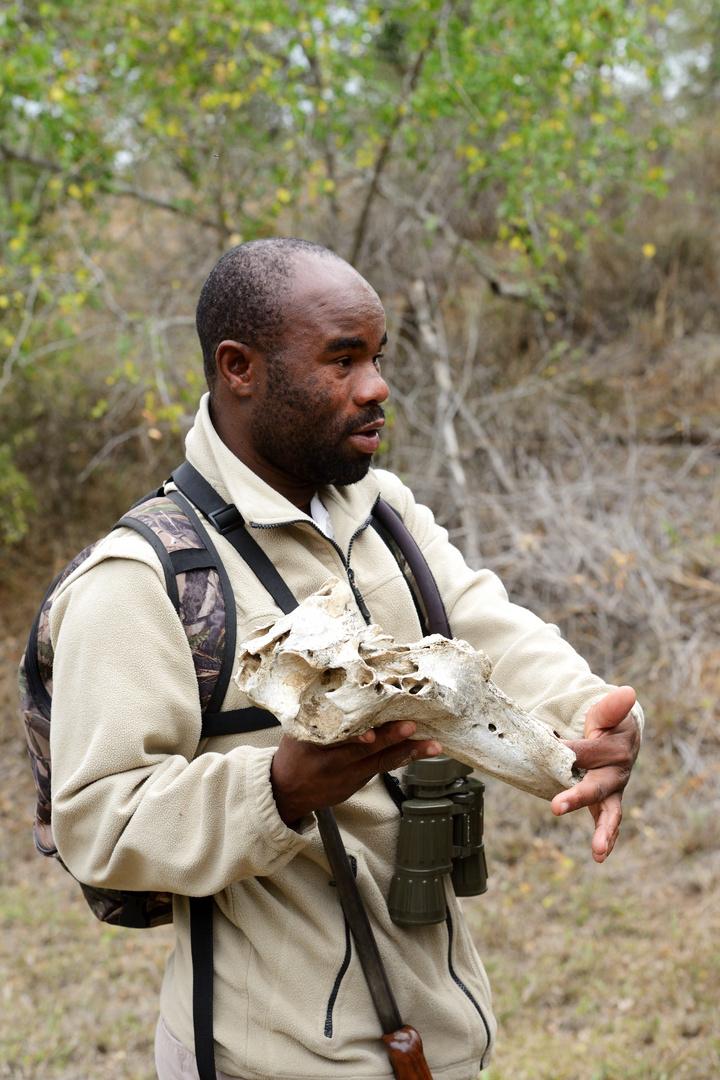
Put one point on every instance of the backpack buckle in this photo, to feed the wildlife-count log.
(226, 518)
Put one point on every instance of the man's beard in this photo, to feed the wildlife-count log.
(299, 434)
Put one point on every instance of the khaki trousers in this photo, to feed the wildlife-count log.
(173, 1060)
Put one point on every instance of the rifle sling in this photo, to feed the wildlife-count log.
(356, 915)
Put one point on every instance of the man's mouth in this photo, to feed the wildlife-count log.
(367, 438)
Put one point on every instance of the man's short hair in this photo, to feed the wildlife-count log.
(245, 296)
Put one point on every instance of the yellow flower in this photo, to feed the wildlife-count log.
(649, 250)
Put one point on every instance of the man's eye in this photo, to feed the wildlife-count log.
(344, 361)
(377, 359)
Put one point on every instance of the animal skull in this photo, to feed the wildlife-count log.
(327, 676)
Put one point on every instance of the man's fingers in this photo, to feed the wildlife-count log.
(402, 754)
(607, 752)
(378, 738)
(613, 749)
(392, 746)
(305, 776)
(595, 786)
(607, 815)
(604, 801)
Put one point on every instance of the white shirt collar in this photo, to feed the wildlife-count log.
(321, 517)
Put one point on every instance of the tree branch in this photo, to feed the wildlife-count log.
(163, 204)
(328, 150)
(20, 336)
(384, 151)
(515, 290)
(112, 187)
(99, 275)
(107, 449)
(447, 403)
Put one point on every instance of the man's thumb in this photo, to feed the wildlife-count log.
(609, 711)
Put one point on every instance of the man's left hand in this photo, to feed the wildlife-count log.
(608, 752)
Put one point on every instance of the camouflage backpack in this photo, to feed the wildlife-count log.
(195, 585)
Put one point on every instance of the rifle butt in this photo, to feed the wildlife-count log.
(405, 1050)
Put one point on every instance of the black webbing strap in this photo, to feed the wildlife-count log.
(192, 559)
(392, 786)
(237, 722)
(229, 522)
(212, 559)
(407, 574)
(201, 949)
(160, 550)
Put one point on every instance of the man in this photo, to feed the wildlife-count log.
(292, 339)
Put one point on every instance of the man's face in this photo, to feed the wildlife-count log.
(317, 415)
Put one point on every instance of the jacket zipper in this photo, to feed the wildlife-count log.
(328, 1030)
(458, 982)
(359, 599)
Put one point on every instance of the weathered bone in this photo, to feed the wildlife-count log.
(327, 676)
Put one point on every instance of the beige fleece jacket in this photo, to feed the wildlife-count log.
(139, 802)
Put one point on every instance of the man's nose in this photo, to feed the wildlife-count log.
(371, 387)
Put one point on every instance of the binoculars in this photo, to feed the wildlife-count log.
(441, 832)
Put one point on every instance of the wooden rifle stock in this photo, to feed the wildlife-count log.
(402, 1042)
(406, 1055)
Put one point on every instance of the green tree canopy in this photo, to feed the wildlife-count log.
(477, 129)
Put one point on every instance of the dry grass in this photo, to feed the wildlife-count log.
(606, 973)
(79, 998)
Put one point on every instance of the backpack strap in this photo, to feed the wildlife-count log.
(131, 521)
(201, 952)
(182, 544)
(230, 523)
(222, 676)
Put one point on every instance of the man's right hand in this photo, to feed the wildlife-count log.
(306, 777)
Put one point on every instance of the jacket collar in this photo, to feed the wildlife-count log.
(261, 506)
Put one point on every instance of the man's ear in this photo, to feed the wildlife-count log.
(236, 366)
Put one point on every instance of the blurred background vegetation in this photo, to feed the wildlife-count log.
(532, 188)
